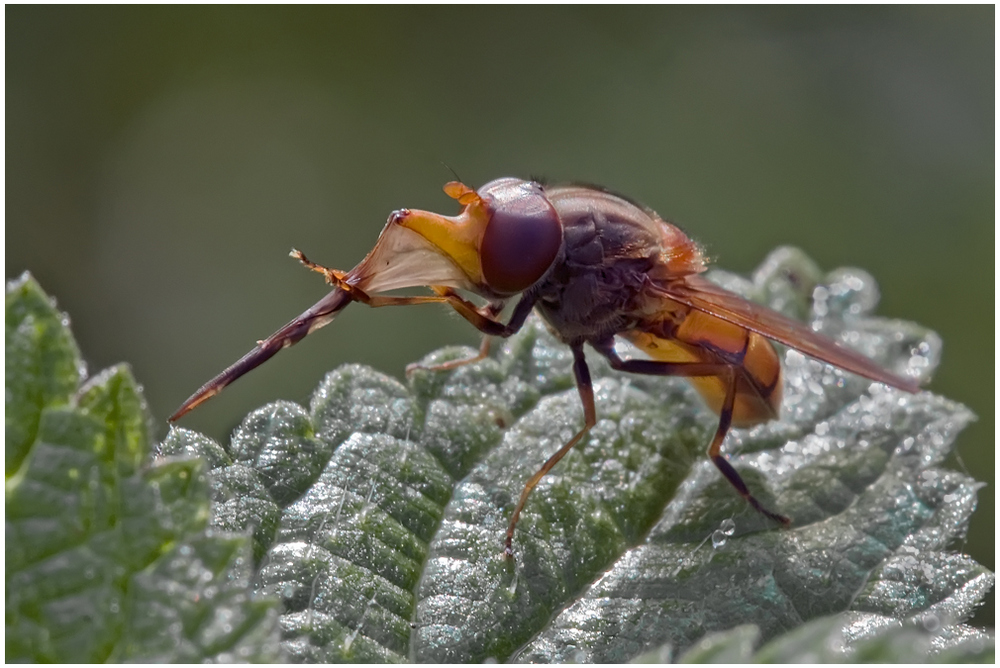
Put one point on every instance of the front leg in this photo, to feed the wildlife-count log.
(484, 319)
(492, 310)
(337, 278)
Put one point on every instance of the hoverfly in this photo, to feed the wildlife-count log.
(594, 265)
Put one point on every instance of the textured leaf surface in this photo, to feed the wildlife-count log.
(107, 555)
(378, 513)
(43, 365)
(843, 638)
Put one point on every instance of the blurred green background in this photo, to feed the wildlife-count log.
(161, 161)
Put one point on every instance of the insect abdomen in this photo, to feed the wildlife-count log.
(700, 337)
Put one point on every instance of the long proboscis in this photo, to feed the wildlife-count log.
(319, 314)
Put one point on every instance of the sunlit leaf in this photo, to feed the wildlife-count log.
(379, 512)
(108, 556)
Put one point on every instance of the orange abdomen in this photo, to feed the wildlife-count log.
(704, 338)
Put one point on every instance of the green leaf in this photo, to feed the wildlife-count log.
(108, 554)
(379, 513)
(43, 365)
(734, 646)
(854, 638)
(843, 638)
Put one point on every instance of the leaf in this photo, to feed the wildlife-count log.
(843, 638)
(107, 553)
(733, 646)
(379, 512)
(43, 365)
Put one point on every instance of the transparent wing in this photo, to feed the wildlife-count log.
(702, 295)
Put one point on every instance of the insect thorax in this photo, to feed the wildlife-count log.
(591, 292)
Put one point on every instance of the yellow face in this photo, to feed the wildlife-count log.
(504, 240)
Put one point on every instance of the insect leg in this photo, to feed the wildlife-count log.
(729, 374)
(720, 461)
(336, 278)
(333, 276)
(586, 390)
(484, 319)
(484, 351)
(319, 314)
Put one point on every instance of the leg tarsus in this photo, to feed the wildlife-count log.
(736, 481)
(333, 276)
(728, 374)
(720, 461)
(337, 278)
(484, 351)
(491, 310)
(586, 390)
(483, 319)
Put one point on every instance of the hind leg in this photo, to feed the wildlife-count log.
(729, 374)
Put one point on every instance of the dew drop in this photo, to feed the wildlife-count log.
(722, 534)
(512, 587)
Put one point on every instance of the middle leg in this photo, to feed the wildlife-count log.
(586, 389)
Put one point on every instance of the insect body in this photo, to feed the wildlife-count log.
(595, 266)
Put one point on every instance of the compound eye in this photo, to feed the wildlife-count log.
(523, 237)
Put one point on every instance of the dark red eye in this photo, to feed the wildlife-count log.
(522, 238)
